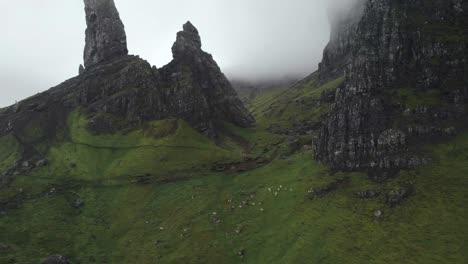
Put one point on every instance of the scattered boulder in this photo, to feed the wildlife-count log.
(368, 194)
(25, 164)
(42, 163)
(313, 193)
(56, 260)
(378, 214)
(380, 175)
(186, 234)
(78, 203)
(396, 197)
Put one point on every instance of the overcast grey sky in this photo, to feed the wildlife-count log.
(43, 41)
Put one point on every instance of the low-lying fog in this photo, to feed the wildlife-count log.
(251, 40)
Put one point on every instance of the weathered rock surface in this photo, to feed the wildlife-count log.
(105, 33)
(417, 44)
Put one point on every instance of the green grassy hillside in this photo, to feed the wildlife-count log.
(165, 194)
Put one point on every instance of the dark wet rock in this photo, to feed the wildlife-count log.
(56, 260)
(396, 197)
(321, 191)
(361, 131)
(378, 214)
(105, 33)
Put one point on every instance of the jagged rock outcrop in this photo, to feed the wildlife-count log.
(196, 86)
(415, 46)
(105, 33)
(119, 91)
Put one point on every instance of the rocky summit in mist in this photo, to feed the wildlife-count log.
(363, 161)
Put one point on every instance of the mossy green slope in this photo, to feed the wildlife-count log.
(151, 196)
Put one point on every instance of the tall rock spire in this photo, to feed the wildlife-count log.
(105, 33)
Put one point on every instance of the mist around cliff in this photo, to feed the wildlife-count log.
(339, 10)
(251, 40)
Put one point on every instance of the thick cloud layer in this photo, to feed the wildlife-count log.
(42, 42)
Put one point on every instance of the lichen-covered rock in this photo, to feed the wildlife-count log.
(105, 33)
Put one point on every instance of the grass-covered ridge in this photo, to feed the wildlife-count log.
(150, 195)
(281, 108)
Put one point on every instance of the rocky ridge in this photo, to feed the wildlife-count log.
(408, 73)
(117, 90)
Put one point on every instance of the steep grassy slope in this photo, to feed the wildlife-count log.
(157, 195)
(280, 109)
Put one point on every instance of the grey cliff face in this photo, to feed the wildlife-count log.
(416, 45)
(337, 53)
(105, 33)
